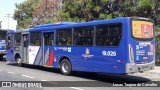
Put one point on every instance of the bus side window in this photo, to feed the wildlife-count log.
(100, 41)
(64, 37)
(25, 43)
(35, 39)
(83, 35)
(37, 42)
(111, 34)
(51, 40)
(107, 42)
(68, 41)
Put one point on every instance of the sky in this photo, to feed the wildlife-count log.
(8, 7)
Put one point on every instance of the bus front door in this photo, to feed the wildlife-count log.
(48, 49)
(10, 48)
(25, 48)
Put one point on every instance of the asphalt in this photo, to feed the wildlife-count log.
(155, 71)
(10, 72)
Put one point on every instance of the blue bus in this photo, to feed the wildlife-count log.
(121, 46)
(2, 43)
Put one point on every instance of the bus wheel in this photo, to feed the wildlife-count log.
(65, 67)
(19, 61)
(1, 57)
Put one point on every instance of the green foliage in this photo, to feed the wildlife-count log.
(86, 10)
(23, 13)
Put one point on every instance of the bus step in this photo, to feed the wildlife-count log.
(48, 66)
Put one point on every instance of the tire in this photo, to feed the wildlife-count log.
(65, 67)
(19, 61)
(1, 57)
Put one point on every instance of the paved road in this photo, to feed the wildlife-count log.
(10, 72)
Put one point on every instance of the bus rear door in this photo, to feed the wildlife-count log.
(48, 49)
(25, 39)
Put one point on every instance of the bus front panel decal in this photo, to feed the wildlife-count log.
(51, 59)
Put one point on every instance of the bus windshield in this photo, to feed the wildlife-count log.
(3, 35)
(142, 30)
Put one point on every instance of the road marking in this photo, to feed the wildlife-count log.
(27, 76)
(44, 80)
(76, 88)
(1, 70)
(11, 72)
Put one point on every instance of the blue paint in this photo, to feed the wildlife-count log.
(137, 58)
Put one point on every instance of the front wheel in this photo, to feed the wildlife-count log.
(1, 57)
(19, 61)
(65, 67)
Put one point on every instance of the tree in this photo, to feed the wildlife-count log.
(79, 10)
(143, 8)
(33, 12)
(46, 11)
(86, 10)
(23, 13)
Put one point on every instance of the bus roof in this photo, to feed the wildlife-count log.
(10, 31)
(54, 24)
(74, 24)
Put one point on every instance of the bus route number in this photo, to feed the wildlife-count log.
(111, 53)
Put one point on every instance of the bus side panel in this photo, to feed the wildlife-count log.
(18, 51)
(50, 61)
(91, 59)
(10, 55)
(34, 54)
(125, 42)
(97, 59)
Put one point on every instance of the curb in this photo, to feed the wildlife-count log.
(152, 72)
(155, 71)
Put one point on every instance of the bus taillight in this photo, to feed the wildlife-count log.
(151, 47)
(120, 60)
(131, 54)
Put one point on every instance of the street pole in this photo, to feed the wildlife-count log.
(0, 24)
(8, 15)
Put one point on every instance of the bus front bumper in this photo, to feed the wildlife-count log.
(133, 68)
